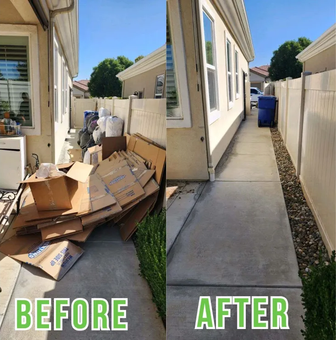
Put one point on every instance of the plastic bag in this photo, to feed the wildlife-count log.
(92, 125)
(104, 112)
(48, 170)
(114, 126)
(86, 158)
(97, 135)
(102, 123)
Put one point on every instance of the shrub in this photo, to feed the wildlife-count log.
(150, 242)
(318, 298)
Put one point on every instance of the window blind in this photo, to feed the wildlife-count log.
(14, 78)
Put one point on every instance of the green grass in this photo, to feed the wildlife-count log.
(150, 242)
(318, 299)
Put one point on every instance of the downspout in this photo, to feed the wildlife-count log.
(198, 43)
(52, 15)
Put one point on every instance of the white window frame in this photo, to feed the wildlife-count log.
(184, 121)
(237, 87)
(161, 95)
(214, 114)
(29, 31)
(229, 72)
(57, 118)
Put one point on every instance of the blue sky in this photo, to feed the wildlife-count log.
(274, 22)
(109, 28)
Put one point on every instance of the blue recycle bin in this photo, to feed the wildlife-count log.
(266, 110)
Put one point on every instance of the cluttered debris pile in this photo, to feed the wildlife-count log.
(65, 203)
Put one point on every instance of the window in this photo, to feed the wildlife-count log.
(171, 86)
(210, 61)
(15, 85)
(229, 72)
(254, 91)
(159, 84)
(177, 93)
(19, 76)
(236, 71)
(56, 82)
(64, 88)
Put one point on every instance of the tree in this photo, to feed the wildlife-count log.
(139, 58)
(284, 63)
(103, 80)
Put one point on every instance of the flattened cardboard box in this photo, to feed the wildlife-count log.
(56, 193)
(128, 224)
(123, 185)
(97, 195)
(61, 229)
(151, 153)
(55, 258)
(101, 214)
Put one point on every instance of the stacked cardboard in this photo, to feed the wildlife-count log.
(121, 185)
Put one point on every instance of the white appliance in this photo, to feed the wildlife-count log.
(13, 161)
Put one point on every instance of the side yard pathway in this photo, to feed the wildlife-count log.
(108, 269)
(236, 241)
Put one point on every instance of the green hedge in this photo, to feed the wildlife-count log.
(150, 242)
(319, 301)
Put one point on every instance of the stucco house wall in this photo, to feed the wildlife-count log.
(324, 61)
(53, 121)
(186, 152)
(40, 143)
(189, 148)
(144, 82)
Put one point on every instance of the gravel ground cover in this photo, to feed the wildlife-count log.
(308, 242)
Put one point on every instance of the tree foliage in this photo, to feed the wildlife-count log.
(139, 58)
(284, 63)
(103, 80)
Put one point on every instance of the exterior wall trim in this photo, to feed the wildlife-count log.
(326, 40)
(156, 58)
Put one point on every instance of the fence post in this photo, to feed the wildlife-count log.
(129, 117)
(286, 110)
(113, 99)
(301, 119)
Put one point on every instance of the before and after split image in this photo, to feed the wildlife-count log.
(167, 170)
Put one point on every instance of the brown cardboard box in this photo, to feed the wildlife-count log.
(61, 229)
(128, 224)
(75, 155)
(55, 258)
(56, 193)
(100, 215)
(96, 154)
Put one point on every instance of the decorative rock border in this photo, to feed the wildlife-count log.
(309, 246)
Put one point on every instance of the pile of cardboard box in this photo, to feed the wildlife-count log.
(122, 185)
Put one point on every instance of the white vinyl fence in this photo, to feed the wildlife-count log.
(144, 116)
(306, 121)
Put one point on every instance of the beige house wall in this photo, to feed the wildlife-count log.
(324, 61)
(40, 144)
(223, 129)
(144, 82)
(186, 152)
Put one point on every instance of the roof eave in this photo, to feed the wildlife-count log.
(234, 14)
(326, 40)
(154, 59)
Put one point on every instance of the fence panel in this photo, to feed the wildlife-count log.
(293, 118)
(318, 150)
(78, 106)
(148, 117)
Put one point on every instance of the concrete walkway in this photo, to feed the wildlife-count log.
(236, 241)
(109, 268)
